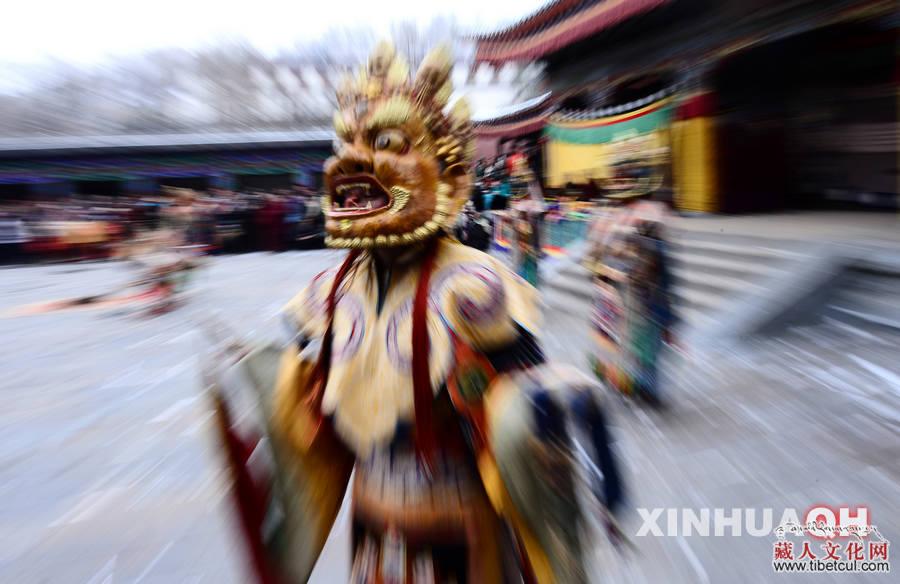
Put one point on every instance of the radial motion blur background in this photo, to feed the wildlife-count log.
(770, 127)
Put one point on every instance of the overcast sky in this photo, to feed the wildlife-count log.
(86, 31)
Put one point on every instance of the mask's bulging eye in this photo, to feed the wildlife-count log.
(392, 141)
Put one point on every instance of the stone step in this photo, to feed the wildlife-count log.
(725, 286)
(689, 298)
(559, 307)
(742, 240)
(687, 262)
(694, 310)
(883, 285)
(862, 316)
(872, 298)
(576, 288)
(733, 250)
(572, 269)
(729, 267)
(868, 298)
(695, 291)
(708, 275)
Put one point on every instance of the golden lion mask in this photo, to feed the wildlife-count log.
(400, 170)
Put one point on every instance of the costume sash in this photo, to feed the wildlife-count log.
(423, 397)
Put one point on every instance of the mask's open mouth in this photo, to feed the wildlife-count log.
(358, 195)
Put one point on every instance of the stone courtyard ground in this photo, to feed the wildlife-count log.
(107, 460)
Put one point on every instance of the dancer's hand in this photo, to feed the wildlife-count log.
(671, 339)
(616, 534)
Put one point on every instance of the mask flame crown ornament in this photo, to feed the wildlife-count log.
(400, 170)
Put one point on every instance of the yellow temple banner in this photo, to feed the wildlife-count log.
(568, 162)
(676, 134)
(578, 151)
(694, 165)
(575, 163)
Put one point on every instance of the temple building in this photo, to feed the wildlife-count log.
(730, 105)
(516, 127)
(50, 167)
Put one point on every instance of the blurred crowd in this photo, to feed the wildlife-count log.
(500, 178)
(224, 221)
(87, 226)
(216, 221)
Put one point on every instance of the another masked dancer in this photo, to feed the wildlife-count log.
(528, 256)
(416, 363)
(632, 313)
(530, 209)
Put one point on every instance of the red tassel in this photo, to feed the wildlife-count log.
(422, 392)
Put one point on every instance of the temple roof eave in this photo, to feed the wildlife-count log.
(510, 46)
(513, 129)
(511, 112)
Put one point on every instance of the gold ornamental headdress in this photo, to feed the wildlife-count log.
(386, 79)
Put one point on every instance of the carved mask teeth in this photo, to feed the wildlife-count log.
(359, 198)
(399, 199)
